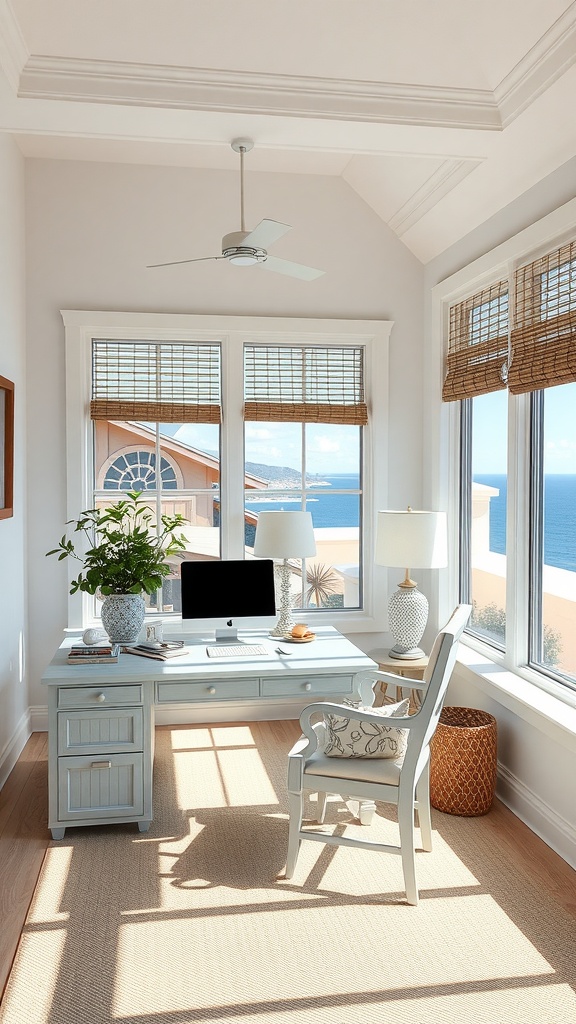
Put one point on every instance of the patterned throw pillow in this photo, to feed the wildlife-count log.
(348, 737)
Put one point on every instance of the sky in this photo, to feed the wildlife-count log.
(329, 449)
(490, 431)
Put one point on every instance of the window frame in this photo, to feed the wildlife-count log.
(81, 326)
(443, 450)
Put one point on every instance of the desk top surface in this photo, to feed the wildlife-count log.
(328, 654)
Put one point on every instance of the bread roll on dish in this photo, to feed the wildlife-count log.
(300, 630)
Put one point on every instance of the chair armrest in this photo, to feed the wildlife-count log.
(299, 747)
(391, 677)
(347, 711)
(303, 748)
(314, 738)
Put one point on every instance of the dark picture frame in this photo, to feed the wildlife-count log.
(6, 448)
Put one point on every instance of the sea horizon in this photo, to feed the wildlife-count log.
(559, 517)
(330, 509)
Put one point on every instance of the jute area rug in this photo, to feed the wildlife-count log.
(193, 921)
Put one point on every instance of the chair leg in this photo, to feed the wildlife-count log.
(407, 838)
(322, 800)
(366, 811)
(423, 801)
(295, 824)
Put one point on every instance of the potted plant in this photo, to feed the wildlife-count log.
(126, 555)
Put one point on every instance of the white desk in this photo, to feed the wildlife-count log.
(101, 717)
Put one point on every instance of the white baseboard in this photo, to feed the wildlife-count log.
(552, 828)
(38, 718)
(14, 747)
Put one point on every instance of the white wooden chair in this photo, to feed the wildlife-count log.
(404, 781)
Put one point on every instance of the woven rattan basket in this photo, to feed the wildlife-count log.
(463, 762)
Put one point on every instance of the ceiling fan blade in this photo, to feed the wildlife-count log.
(266, 233)
(291, 269)
(198, 259)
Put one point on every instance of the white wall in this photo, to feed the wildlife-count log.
(91, 231)
(13, 690)
(537, 749)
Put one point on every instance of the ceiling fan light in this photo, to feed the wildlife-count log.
(244, 255)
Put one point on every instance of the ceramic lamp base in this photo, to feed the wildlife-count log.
(285, 622)
(407, 618)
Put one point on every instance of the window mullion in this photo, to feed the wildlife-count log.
(232, 449)
(518, 532)
(536, 500)
(465, 495)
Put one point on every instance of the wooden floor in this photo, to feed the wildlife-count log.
(24, 838)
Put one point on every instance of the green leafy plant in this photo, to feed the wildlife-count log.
(127, 554)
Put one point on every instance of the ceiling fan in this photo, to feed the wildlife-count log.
(245, 248)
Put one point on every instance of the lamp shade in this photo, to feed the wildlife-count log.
(411, 539)
(284, 535)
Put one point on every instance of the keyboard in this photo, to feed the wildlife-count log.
(236, 651)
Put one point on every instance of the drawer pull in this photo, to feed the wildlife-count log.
(307, 687)
(101, 764)
(101, 697)
(211, 689)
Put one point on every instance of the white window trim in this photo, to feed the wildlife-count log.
(231, 331)
(441, 453)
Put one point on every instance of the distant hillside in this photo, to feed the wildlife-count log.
(281, 476)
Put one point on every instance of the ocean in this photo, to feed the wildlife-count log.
(328, 509)
(559, 518)
(333, 510)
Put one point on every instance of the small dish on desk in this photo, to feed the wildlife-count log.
(289, 639)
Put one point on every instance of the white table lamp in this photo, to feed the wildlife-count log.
(284, 535)
(416, 539)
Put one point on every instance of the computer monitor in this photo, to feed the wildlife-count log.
(228, 595)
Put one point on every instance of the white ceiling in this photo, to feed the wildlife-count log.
(436, 112)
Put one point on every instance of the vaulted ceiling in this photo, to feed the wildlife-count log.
(436, 112)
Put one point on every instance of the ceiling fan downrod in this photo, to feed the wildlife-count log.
(232, 248)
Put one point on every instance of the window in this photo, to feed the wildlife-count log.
(511, 365)
(146, 397)
(169, 414)
(136, 471)
(553, 514)
(305, 410)
(484, 424)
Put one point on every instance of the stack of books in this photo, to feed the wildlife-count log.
(104, 653)
(162, 651)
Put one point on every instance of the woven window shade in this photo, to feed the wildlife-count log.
(304, 385)
(543, 339)
(477, 345)
(158, 382)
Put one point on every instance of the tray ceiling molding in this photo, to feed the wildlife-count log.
(438, 185)
(14, 52)
(118, 82)
(550, 58)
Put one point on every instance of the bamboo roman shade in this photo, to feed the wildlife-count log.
(477, 344)
(160, 382)
(543, 339)
(304, 384)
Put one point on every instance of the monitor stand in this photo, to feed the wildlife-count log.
(227, 634)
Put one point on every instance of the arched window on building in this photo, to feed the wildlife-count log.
(136, 471)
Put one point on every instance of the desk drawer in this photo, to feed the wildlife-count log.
(107, 730)
(207, 690)
(95, 696)
(302, 686)
(109, 786)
